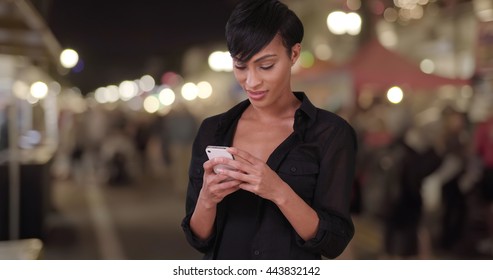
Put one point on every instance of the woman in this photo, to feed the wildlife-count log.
(289, 195)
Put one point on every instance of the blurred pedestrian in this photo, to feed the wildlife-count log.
(141, 137)
(4, 141)
(483, 139)
(410, 159)
(181, 127)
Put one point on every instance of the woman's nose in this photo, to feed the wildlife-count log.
(252, 79)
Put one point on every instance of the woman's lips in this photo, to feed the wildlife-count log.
(256, 95)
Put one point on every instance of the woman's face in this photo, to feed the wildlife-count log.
(266, 77)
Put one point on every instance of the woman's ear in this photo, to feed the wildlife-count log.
(295, 53)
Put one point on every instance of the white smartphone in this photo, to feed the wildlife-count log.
(218, 151)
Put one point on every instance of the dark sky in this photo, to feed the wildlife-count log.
(119, 40)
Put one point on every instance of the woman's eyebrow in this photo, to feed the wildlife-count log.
(264, 57)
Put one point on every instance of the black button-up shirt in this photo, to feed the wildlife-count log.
(317, 161)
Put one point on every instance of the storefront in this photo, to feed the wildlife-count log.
(29, 89)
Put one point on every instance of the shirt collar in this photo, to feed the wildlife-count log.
(305, 116)
(306, 107)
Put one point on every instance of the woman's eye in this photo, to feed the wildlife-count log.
(240, 67)
(266, 67)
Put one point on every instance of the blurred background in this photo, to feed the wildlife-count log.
(100, 102)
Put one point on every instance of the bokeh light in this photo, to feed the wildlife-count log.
(427, 66)
(69, 58)
(340, 23)
(151, 104)
(20, 89)
(189, 91)
(306, 59)
(323, 52)
(395, 95)
(146, 83)
(205, 90)
(167, 96)
(127, 90)
(39, 90)
(220, 61)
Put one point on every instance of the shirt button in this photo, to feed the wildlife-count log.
(256, 252)
(293, 169)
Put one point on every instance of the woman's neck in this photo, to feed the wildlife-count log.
(285, 108)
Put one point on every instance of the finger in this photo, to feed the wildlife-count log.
(230, 191)
(230, 186)
(248, 187)
(227, 183)
(242, 154)
(212, 164)
(226, 188)
(217, 179)
(237, 165)
(209, 166)
(240, 176)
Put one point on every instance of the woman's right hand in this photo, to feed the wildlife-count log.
(215, 186)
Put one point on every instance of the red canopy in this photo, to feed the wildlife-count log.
(376, 66)
(317, 70)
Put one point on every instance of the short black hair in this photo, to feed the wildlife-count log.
(254, 23)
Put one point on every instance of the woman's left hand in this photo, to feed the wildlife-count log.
(256, 176)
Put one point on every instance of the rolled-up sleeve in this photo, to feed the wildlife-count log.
(333, 195)
(202, 246)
